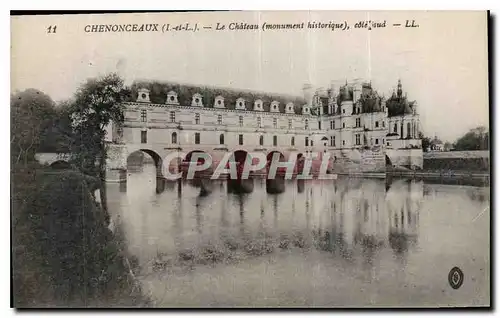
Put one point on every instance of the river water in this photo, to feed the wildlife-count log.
(342, 243)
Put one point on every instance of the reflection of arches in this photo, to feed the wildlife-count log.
(388, 161)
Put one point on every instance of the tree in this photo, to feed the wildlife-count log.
(426, 141)
(475, 139)
(58, 135)
(448, 146)
(31, 112)
(97, 103)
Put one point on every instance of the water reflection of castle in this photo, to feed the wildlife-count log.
(355, 213)
(342, 215)
(346, 217)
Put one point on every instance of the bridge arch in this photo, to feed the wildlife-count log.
(60, 164)
(271, 154)
(158, 162)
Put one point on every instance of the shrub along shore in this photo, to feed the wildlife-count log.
(64, 254)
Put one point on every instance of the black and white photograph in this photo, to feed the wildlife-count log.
(250, 159)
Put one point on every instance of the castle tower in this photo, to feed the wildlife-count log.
(356, 92)
(308, 94)
(400, 89)
(331, 98)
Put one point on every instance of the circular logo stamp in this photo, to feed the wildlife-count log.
(456, 278)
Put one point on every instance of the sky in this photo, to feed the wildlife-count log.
(442, 63)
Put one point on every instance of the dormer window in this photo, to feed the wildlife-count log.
(257, 105)
(289, 108)
(197, 100)
(240, 104)
(172, 98)
(143, 95)
(275, 107)
(219, 102)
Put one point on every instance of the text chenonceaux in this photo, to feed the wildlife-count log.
(233, 26)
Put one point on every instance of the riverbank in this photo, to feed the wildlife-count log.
(64, 255)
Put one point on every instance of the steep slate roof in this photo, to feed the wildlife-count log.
(399, 106)
(158, 95)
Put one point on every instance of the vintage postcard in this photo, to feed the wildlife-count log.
(318, 159)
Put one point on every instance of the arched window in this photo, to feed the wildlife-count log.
(261, 140)
(292, 142)
(221, 139)
(174, 137)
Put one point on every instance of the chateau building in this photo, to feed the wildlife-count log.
(353, 121)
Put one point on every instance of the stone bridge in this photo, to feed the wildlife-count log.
(53, 159)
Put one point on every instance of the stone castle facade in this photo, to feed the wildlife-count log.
(354, 124)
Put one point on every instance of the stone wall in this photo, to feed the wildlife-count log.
(409, 158)
(356, 161)
(457, 160)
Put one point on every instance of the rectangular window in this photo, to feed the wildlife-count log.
(241, 121)
(343, 142)
(358, 122)
(144, 117)
(307, 124)
(144, 137)
(331, 141)
(289, 124)
(197, 138)
(275, 123)
(343, 125)
(319, 124)
(395, 128)
(376, 124)
(307, 141)
(331, 124)
(275, 140)
(197, 118)
(383, 123)
(219, 119)
(343, 111)
(240, 139)
(172, 117)
(259, 122)
(376, 141)
(358, 139)
(334, 141)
